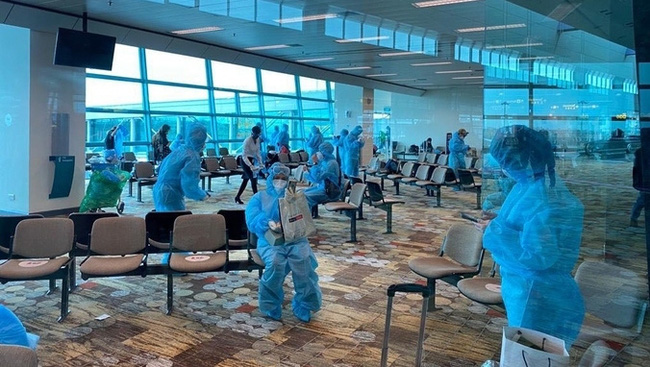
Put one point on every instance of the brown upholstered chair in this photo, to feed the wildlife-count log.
(143, 175)
(41, 250)
(350, 208)
(17, 356)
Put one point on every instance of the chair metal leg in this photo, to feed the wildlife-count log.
(396, 187)
(139, 193)
(210, 184)
(64, 296)
(260, 272)
(438, 196)
(52, 283)
(382, 183)
(389, 220)
(360, 217)
(130, 188)
(353, 226)
(73, 273)
(478, 199)
(431, 284)
(170, 293)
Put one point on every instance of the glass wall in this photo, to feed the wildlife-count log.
(147, 89)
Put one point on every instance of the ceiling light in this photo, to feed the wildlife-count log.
(536, 58)
(513, 45)
(390, 54)
(197, 30)
(432, 63)
(454, 71)
(362, 39)
(380, 75)
(401, 80)
(269, 47)
(427, 4)
(308, 18)
(491, 28)
(468, 77)
(316, 59)
(354, 68)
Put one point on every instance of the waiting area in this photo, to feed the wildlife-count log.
(123, 320)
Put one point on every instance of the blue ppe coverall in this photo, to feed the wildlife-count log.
(315, 140)
(273, 142)
(296, 257)
(327, 168)
(457, 150)
(283, 137)
(180, 140)
(339, 144)
(178, 176)
(536, 241)
(13, 332)
(353, 147)
(121, 133)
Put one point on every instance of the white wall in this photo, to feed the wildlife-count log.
(54, 89)
(14, 119)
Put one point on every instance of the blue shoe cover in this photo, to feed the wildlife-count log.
(302, 313)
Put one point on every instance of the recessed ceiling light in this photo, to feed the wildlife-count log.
(491, 28)
(468, 77)
(427, 4)
(362, 39)
(269, 47)
(514, 45)
(432, 63)
(380, 75)
(315, 59)
(390, 54)
(354, 68)
(454, 71)
(536, 58)
(197, 30)
(307, 18)
(401, 80)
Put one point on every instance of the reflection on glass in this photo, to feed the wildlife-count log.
(113, 94)
(164, 66)
(249, 104)
(232, 76)
(166, 98)
(224, 102)
(278, 106)
(278, 83)
(313, 88)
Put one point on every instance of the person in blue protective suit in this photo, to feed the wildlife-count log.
(457, 151)
(115, 139)
(314, 141)
(352, 145)
(178, 176)
(339, 143)
(178, 141)
(13, 332)
(273, 139)
(262, 214)
(535, 238)
(282, 139)
(325, 168)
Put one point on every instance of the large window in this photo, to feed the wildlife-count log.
(174, 90)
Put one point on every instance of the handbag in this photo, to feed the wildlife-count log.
(295, 216)
(332, 190)
(521, 347)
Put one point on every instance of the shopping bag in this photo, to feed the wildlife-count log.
(295, 216)
(521, 347)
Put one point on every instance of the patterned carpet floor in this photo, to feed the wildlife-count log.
(216, 321)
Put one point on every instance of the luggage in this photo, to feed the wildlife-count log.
(406, 288)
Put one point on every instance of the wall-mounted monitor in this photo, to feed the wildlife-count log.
(84, 49)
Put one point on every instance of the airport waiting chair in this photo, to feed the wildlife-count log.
(41, 250)
(406, 171)
(213, 169)
(8, 225)
(195, 248)
(467, 183)
(17, 356)
(210, 152)
(143, 175)
(350, 208)
(159, 226)
(461, 256)
(223, 152)
(435, 183)
(377, 200)
(485, 290)
(239, 238)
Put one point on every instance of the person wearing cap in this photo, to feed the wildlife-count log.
(535, 239)
(326, 168)
(178, 176)
(263, 214)
(457, 151)
(251, 162)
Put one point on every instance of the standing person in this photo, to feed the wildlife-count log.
(314, 141)
(179, 174)
(535, 238)
(283, 138)
(353, 144)
(637, 183)
(115, 139)
(273, 141)
(160, 144)
(457, 151)
(262, 214)
(325, 168)
(251, 162)
(426, 146)
(339, 143)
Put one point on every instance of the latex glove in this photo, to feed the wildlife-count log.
(275, 226)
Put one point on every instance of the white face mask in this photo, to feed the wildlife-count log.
(279, 184)
(319, 156)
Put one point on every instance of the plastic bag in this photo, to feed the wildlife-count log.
(296, 217)
(104, 188)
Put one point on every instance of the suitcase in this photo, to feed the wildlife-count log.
(406, 288)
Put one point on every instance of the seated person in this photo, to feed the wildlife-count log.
(326, 168)
(262, 214)
(13, 332)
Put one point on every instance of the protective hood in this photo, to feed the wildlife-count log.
(356, 131)
(344, 132)
(327, 149)
(196, 136)
(274, 170)
(515, 149)
(285, 128)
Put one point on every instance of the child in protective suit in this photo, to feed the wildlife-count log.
(262, 214)
(536, 239)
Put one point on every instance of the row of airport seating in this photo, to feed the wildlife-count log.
(38, 248)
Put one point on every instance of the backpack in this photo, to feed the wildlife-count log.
(332, 190)
(391, 166)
